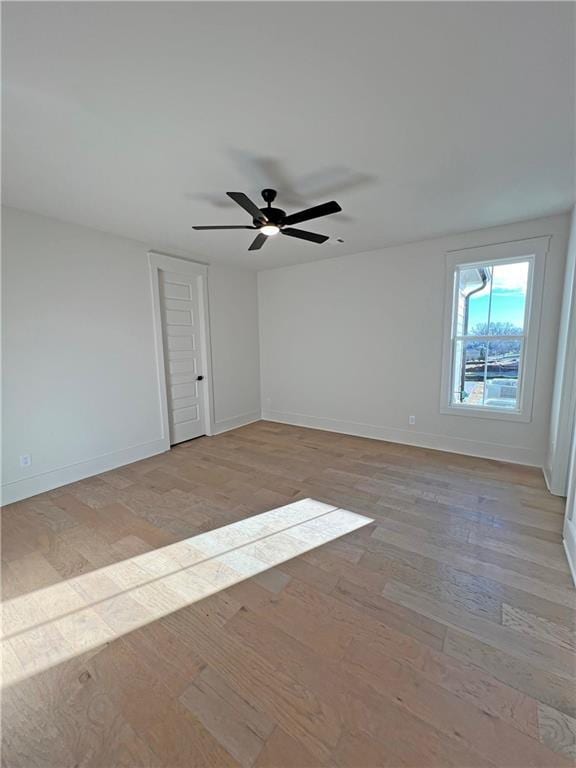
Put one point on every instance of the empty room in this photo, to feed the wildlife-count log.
(288, 384)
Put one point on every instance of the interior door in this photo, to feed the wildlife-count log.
(179, 304)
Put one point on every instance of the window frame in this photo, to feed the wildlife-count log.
(533, 250)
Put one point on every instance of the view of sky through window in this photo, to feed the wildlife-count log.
(490, 308)
(508, 292)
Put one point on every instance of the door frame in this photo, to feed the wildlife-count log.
(569, 530)
(158, 261)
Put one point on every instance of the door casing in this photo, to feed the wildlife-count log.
(569, 532)
(161, 261)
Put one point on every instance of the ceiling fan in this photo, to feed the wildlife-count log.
(271, 221)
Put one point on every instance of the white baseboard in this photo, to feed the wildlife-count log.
(47, 481)
(26, 487)
(31, 486)
(510, 453)
(552, 484)
(236, 421)
(546, 473)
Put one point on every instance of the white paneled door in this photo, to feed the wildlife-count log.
(182, 332)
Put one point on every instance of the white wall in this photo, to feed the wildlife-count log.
(564, 399)
(354, 344)
(80, 392)
(233, 298)
(80, 388)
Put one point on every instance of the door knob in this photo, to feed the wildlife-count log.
(199, 378)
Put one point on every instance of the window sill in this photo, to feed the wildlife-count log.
(486, 413)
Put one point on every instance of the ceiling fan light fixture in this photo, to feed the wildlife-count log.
(269, 230)
(270, 221)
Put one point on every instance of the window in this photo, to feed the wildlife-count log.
(492, 328)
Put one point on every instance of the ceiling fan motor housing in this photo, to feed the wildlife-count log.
(274, 216)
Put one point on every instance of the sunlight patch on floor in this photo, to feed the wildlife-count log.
(51, 625)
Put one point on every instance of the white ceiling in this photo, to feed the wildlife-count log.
(419, 118)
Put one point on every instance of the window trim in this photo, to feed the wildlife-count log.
(534, 249)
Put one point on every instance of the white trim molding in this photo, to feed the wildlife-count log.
(570, 548)
(25, 487)
(515, 454)
(161, 261)
(563, 416)
(534, 250)
(225, 425)
(569, 531)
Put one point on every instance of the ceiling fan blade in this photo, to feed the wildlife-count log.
(303, 235)
(244, 201)
(258, 242)
(219, 227)
(313, 213)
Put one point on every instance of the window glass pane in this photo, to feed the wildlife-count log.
(508, 305)
(473, 301)
(502, 374)
(468, 374)
(490, 302)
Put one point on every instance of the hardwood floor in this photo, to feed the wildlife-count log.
(441, 634)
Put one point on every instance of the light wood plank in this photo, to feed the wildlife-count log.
(441, 635)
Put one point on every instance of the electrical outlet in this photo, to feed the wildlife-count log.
(25, 460)
(411, 419)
